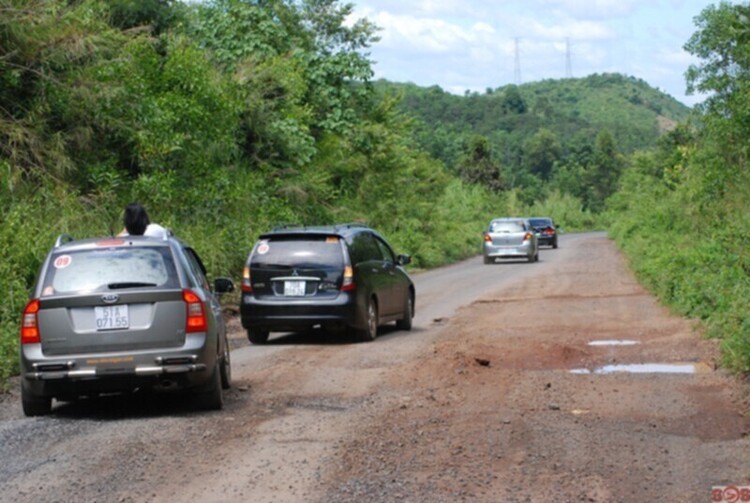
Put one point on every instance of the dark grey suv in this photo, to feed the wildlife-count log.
(120, 314)
(344, 276)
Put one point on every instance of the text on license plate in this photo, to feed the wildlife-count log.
(294, 288)
(111, 317)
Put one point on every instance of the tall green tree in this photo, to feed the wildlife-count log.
(603, 173)
(541, 152)
(479, 166)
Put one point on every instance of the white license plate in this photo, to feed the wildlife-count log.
(111, 317)
(294, 288)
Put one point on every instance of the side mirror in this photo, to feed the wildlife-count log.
(403, 259)
(223, 285)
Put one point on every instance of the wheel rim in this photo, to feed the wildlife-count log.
(372, 320)
(227, 362)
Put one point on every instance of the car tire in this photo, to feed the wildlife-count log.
(370, 332)
(226, 367)
(554, 244)
(405, 323)
(211, 398)
(257, 336)
(35, 405)
(488, 260)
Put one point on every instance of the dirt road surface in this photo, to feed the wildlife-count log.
(557, 381)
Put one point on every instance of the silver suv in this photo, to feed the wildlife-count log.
(120, 314)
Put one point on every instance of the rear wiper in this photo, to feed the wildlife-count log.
(128, 284)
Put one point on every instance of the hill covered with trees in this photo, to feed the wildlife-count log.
(551, 131)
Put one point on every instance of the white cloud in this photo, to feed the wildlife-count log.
(470, 44)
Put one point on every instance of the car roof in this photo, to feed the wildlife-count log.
(509, 219)
(341, 230)
(66, 242)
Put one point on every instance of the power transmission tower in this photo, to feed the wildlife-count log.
(568, 66)
(517, 68)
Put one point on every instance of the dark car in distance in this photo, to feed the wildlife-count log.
(546, 231)
(116, 315)
(338, 277)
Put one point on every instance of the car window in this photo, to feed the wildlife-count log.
(196, 267)
(307, 251)
(507, 227)
(385, 251)
(540, 222)
(364, 248)
(110, 268)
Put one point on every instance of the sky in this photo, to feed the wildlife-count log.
(475, 45)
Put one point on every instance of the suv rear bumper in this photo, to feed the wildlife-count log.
(280, 314)
(82, 374)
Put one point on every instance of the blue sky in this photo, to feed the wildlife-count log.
(471, 45)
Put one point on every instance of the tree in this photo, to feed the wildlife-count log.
(541, 152)
(603, 173)
(479, 166)
(513, 102)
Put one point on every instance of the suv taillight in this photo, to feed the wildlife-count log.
(30, 323)
(247, 287)
(487, 237)
(528, 236)
(196, 312)
(348, 285)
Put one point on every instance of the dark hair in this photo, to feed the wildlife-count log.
(136, 219)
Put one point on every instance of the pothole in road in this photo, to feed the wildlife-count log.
(648, 368)
(614, 343)
(322, 404)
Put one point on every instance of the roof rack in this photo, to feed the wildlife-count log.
(62, 239)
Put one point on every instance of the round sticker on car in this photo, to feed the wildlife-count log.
(263, 248)
(62, 261)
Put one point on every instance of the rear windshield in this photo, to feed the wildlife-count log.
(506, 227)
(110, 269)
(540, 222)
(309, 251)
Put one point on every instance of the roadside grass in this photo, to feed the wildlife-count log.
(695, 261)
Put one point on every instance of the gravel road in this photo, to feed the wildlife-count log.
(557, 381)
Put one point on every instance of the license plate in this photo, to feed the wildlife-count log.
(111, 317)
(294, 288)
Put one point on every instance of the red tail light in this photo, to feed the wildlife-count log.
(528, 236)
(487, 238)
(549, 230)
(247, 286)
(30, 323)
(348, 284)
(196, 313)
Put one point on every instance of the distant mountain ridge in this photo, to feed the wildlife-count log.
(576, 110)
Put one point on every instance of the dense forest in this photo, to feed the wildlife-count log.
(568, 134)
(227, 117)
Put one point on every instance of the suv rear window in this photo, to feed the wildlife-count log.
(111, 268)
(308, 252)
(540, 222)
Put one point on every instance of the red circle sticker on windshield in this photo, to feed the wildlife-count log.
(62, 261)
(263, 248)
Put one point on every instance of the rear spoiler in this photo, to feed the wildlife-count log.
(62, 239)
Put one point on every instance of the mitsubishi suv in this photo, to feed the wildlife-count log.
(114, 315)
(339, 277)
